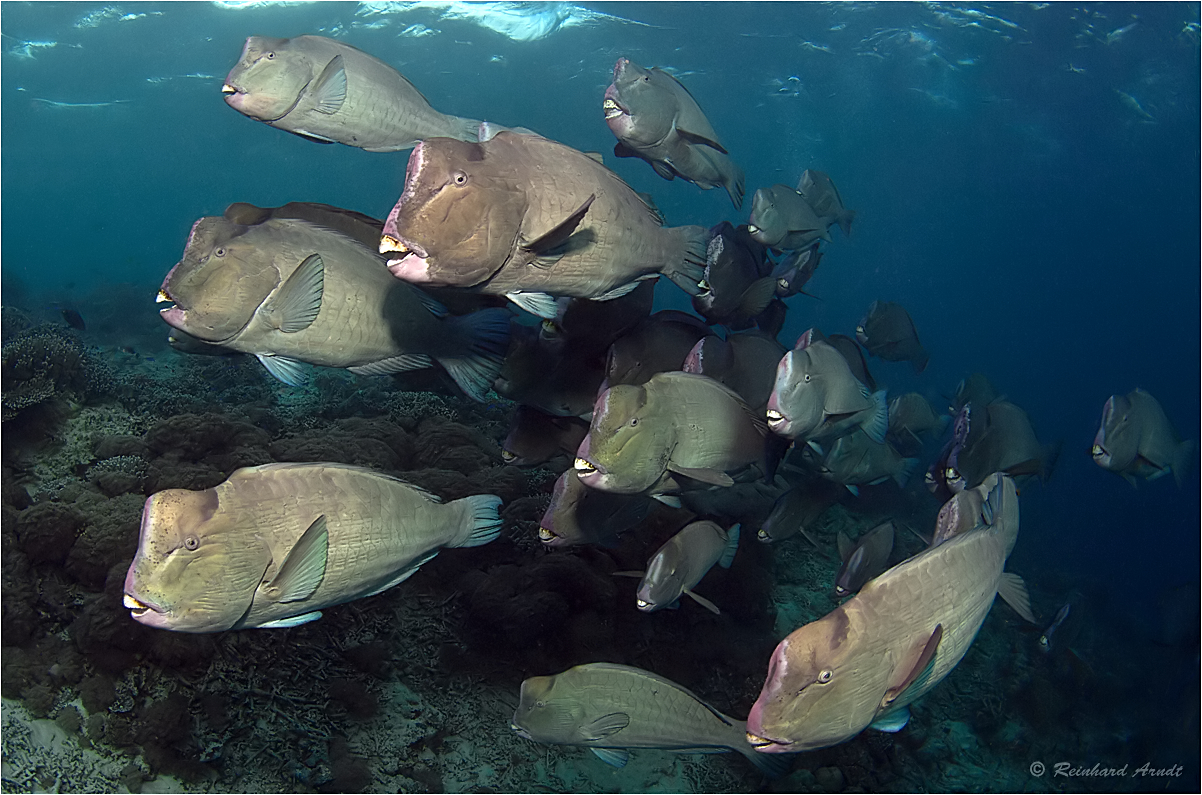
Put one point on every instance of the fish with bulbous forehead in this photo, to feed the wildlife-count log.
(274, 545)
(783, 220)
(866, 660)
(290, 290)
(816, 398)
(1136, 440)
(654, 117)
(330, 92)
(675, 424)
(530, 218)
(580, 515)
(610, 708)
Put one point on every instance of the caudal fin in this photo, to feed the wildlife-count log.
(484, 336)
(482, 522)
(845, 219)
(921, 359)
(1183, 461)
(735, 185)
(689, 269)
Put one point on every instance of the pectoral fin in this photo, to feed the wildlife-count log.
(1013, 591)
(295, 306)
(304, 567)
(612, 756)
(605, 726)
(622, 150)
(547, 243)
(292, 621)
(329, 92)
(290, 371)
(701, 140)
(712, 476)
(918, 671)
(663, 169)
(706, 603)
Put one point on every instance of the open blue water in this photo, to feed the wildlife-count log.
(1025, 176)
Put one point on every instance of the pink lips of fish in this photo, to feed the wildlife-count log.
(413, 266)
(1101, 455)
(616, 116)
(755, 721)
(142, 607)
(778, 419)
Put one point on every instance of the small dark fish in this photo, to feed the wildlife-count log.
(795, 270)
(74, 319)
(737, 285)
(863, 559)
(535, 437)
(888, 333)
(660, 343)
(1136, 439)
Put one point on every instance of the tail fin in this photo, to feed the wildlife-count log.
(485, 336)
(921, 360)
(1051, 454)
(690, 269)
(483, 522)
(907, 470)
(845, 219)
(1183, 461)
(876, 423)
(463, 129)
(732, 546)
(734, 184)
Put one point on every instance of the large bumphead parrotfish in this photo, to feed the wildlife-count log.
(866, 660)
(783, 220)
(654, 117)
(819, 191)
(330, 92)
(817, 398)
(675, 424)
(273, 545)
(580, 515)
(1136, 439)
(610, 708)
(529, 218)
(888, 333)
(290, 290)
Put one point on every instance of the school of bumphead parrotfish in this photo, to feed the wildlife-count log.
(648, 412)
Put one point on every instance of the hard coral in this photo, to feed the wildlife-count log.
(45, 363)
(46, 532)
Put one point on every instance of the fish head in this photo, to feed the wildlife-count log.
(809, 699)
(628, 445)
(559, 527)
(662, 584)
(638, 108)
(546, 716)
(219, 283)
(767, 224)
(785, 519)
(268, 79)
(459, 217)
(1114, 445)
(195, 569)
(852, 574)
(795, 407)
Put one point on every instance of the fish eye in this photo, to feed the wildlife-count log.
(825, 676)
(460, 178)
(540, 704)
(634, 421)
(219, 252)
(269, 55)
(191, 543)
(807, 378)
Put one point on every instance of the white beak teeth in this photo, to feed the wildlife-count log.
(161, 297)
(774, 417)
(583, 467)
(389, 244)
(228, 89)
(544, 534)
(133, 604)
(612, 111)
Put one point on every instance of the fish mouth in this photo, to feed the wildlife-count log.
(545, 535)
(584, 467)
(144, 612)
(525, 735)
(228, 89)
(412, 265)
(776, 420)
(767, 744)
(174, 315)
(612, 106)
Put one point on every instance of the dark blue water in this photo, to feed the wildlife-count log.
(1026, 181)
